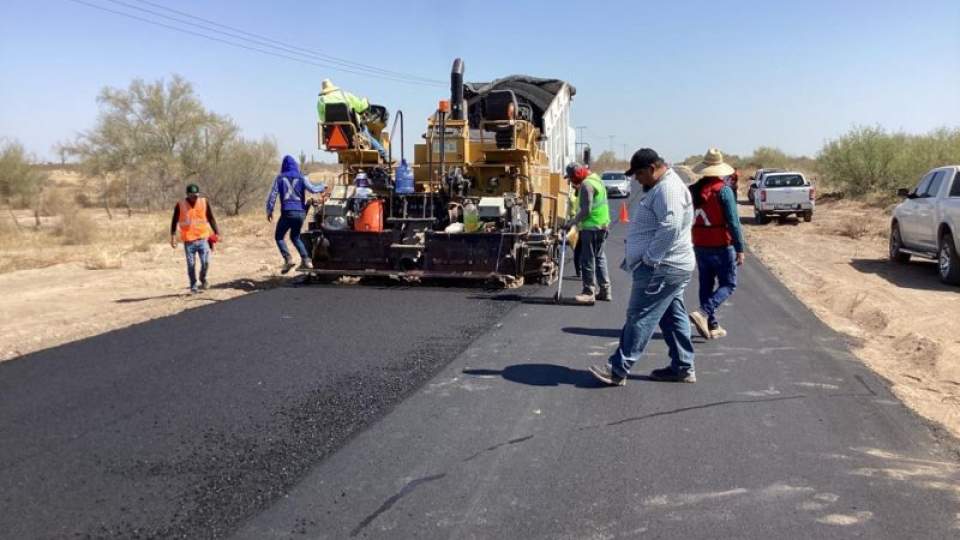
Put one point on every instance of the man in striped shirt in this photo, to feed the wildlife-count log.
(659, 254)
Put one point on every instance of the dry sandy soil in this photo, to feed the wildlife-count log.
(904, 323)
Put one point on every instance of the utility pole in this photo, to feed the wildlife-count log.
(612, 137)
(624, 156)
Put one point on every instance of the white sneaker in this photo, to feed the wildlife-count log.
(701, 324)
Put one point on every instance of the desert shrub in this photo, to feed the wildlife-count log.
(870, 160)
(103, 260)
(56, 203)
(76, 228)
(853, 228)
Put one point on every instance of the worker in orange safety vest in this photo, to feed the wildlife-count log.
(193, 217)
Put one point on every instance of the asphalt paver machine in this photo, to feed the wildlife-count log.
(487, 196)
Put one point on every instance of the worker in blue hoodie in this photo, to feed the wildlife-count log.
(291, 187)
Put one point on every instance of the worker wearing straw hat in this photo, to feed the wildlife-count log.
(717, 241)
(331, 93)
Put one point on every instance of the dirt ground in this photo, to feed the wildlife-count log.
(905, 324)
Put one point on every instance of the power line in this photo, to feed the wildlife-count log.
(279, 44)
(248, 47)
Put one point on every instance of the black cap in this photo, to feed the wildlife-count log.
(642, 159)
(192, 188)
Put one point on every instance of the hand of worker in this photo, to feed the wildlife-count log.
(173, 241)
(740, 258)
(270, 218)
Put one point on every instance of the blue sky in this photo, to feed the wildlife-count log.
(676, 76)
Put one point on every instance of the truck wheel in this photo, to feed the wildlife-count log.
(760, 218)
(751, 195)
(808, 216)
(896, 244)
(948, 261)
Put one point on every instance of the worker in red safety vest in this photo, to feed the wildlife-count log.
(193, 217)
(717, 241)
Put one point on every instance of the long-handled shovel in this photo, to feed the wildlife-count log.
(558, 297)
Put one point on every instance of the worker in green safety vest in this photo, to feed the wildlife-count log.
(593, 220)
(331, 93)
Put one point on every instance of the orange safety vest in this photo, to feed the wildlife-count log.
(193, 220)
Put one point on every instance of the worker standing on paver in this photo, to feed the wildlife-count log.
(291, 187)
(194, 219)
(331, 93)
(717, 241)
(659, 254)
(593, 221)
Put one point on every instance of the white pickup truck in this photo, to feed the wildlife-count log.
(927, 223)
(782, 194)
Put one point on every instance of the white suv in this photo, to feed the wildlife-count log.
(927, 223)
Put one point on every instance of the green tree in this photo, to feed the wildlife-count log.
(21, 182)
(234, 182)
(146, 137)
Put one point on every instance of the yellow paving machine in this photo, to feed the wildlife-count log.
(484, 198)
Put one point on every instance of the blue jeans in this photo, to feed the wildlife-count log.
(593, 260)
(656, 297)
(374, 142)
(292, 221)
(717, 268)
(192, 249)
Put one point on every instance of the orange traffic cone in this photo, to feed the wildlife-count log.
(624, 215)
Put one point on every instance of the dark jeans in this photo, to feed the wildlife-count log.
(292, 221)
(656, 299)
(593, 260)
(717, 268)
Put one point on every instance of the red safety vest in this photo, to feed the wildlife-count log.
(709, 223)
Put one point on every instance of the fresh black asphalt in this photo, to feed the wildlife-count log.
(184, 426)
(246, 419)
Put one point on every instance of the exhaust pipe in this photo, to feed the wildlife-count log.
(456, 90)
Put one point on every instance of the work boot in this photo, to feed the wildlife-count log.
(305, 264)
(667, 374)
(606, 375)
(204, 285)
(585, 297)
(701, 324)
(194, 289)
(717, 331)
(287, 265)
(604, 295)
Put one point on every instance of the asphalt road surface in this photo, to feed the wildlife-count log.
(428, 412)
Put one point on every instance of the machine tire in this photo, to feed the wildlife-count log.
(808, 216)
(760, 218)
(947, 261)
(896, 243)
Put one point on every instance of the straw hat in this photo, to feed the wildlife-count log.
(713, 165)
(327, 87)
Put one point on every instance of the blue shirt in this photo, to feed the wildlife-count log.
(661, 231)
